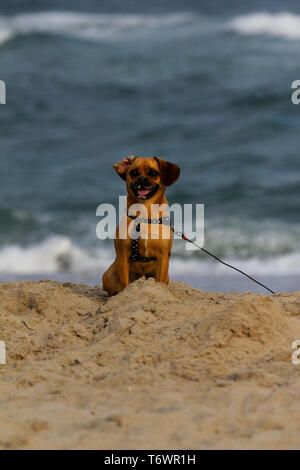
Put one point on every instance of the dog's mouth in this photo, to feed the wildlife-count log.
(142, 191)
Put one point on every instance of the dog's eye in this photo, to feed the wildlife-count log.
(134, 172)
(153, 173)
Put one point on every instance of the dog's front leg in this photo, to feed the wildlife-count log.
(123, 268)
(162, 270)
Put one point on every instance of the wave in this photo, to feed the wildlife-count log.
(60, 254)
(120, 26)
(88, 25)
(6, 32)
(52, 255)
(285, 25)
(234, 238)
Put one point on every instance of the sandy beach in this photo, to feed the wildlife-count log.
(156, 367)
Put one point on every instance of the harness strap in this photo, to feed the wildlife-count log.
(161, 220)
(135, 255)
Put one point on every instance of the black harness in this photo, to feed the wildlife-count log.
(135, 255)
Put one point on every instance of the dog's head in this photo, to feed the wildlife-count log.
(147, 177)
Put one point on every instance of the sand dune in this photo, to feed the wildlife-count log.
(154, 367)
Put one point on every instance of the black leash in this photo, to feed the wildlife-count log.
(184, 237)
(135, 256)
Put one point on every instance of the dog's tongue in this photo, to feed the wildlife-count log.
(143, 192)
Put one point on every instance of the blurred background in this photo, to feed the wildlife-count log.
(205, 84)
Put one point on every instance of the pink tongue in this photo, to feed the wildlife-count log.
(143, 192)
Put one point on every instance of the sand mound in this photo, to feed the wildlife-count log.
(154, 367)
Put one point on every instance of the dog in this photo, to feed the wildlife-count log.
(146, 182)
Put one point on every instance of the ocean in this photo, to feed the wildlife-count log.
(206, 85)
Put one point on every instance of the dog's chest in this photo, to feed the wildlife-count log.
(153, 239)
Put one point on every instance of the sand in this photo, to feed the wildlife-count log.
(156, 367)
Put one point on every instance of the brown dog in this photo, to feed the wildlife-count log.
(146, 181)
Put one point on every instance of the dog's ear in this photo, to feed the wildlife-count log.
(122, 166)
(169, 172)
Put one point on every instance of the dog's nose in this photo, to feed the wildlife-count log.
(142, 179)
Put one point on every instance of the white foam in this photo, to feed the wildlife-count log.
(285, 25)
(238, 239)
(55, 254)
(6, 32)
(121, 26)
(59, 254)
(88, 25)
